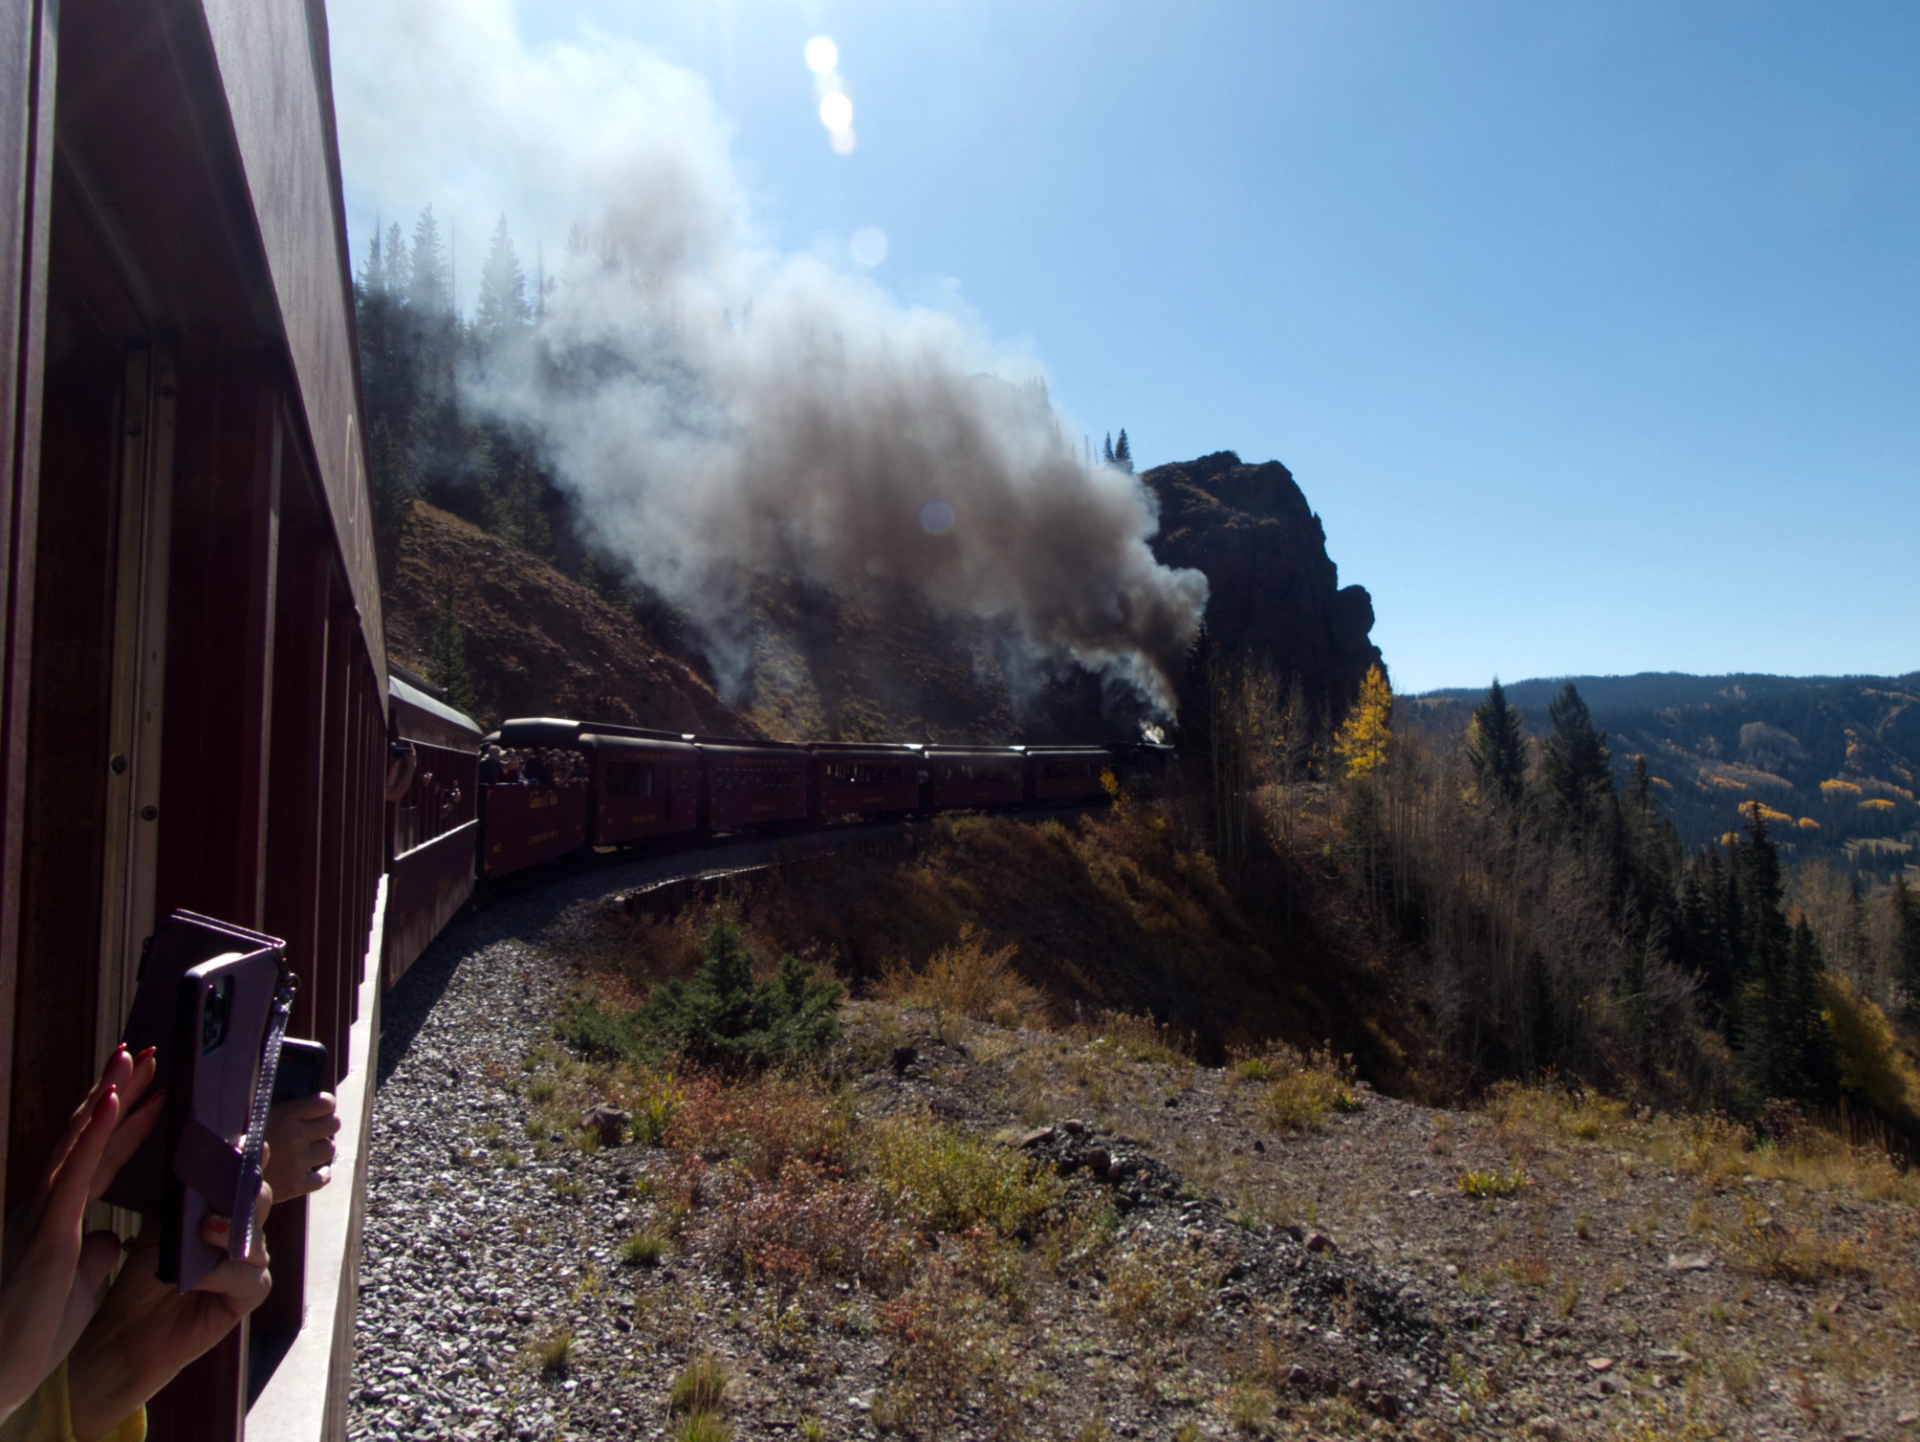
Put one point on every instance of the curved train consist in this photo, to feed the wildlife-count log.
(664, 789)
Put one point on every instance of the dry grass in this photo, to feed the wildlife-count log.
(969, 979)
(1301, 1088)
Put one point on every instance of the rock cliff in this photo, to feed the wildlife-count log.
(1275, 592)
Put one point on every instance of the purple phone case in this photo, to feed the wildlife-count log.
(190, 1165)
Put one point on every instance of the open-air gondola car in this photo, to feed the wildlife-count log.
(433, 830)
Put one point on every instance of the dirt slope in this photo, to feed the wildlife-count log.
(539, 643)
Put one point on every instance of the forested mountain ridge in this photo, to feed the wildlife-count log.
(1833, 759)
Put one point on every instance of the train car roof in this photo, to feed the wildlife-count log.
(644, 733)
(662, 741)
(1006, 751)
(537, 731)
(847, 748)
(740, 743)
(418, 716)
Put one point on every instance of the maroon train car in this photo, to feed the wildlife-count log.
(433, 830)
(968, 776)
(753, 783)
(867, 779)
(522, 825)
(643, 787)
(1066, 773)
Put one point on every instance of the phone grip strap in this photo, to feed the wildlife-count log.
(207, 1162)
(246, 1182)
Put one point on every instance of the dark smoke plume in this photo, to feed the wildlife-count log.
(714, 405)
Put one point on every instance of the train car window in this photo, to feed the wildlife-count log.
(624, 780)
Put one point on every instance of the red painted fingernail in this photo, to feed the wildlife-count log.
(100, 1107)
(120, 1048)
(218, 1224)
(149, 1051)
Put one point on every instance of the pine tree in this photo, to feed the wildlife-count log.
(429, 286)
(1361, 745)
(1123, 452)
(518, 514)
(397, 267)
(1574, 762)
(1816, 1063)
(1906, 937)
(1497, 748)
(502, 312)
(393, 489)
(373, 275)
(447, 655)
(1107, 454)
(1770, 1041)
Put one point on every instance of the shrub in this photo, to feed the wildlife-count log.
(955, 1182)
(1491, 1184)
(968, 978)
(1301, 1090)
(725, 1018)
(813, 1226)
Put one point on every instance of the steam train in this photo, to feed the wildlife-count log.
(636, 787)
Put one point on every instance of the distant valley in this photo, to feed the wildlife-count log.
(1832, 758)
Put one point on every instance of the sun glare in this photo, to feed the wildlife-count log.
(836, 111)
(822, 55)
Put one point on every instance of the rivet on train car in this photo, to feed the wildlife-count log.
(149, 813)
(118, 766)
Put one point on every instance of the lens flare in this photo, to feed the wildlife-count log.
(869, 245)
(822, 55)
(936, 518)
(836, 112)
(842, 141)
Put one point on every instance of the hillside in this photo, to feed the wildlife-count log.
(877, 661)
(537, 642)
(1836, 757)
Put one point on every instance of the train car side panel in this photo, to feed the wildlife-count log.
(641, 789)
(977, 776)
(754, 786)
(522, 826)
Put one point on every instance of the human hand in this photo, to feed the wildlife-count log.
(300, 1137)
(147, 1329)
(54, 1266)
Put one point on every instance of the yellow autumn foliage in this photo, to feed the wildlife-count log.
(1837, 787)
(1767, 813)
(1807, 823)
(1872, 1065)
(1876, 804)
(1361, 744)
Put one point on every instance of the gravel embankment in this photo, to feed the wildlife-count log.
(463, 1268)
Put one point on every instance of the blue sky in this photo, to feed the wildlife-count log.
(1588, 330)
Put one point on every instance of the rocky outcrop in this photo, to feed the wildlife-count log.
(1275, 593)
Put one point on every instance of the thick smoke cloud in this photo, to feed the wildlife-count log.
(714, 405)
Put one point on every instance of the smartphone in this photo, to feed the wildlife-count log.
(213, 1001)
(304, 1071)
